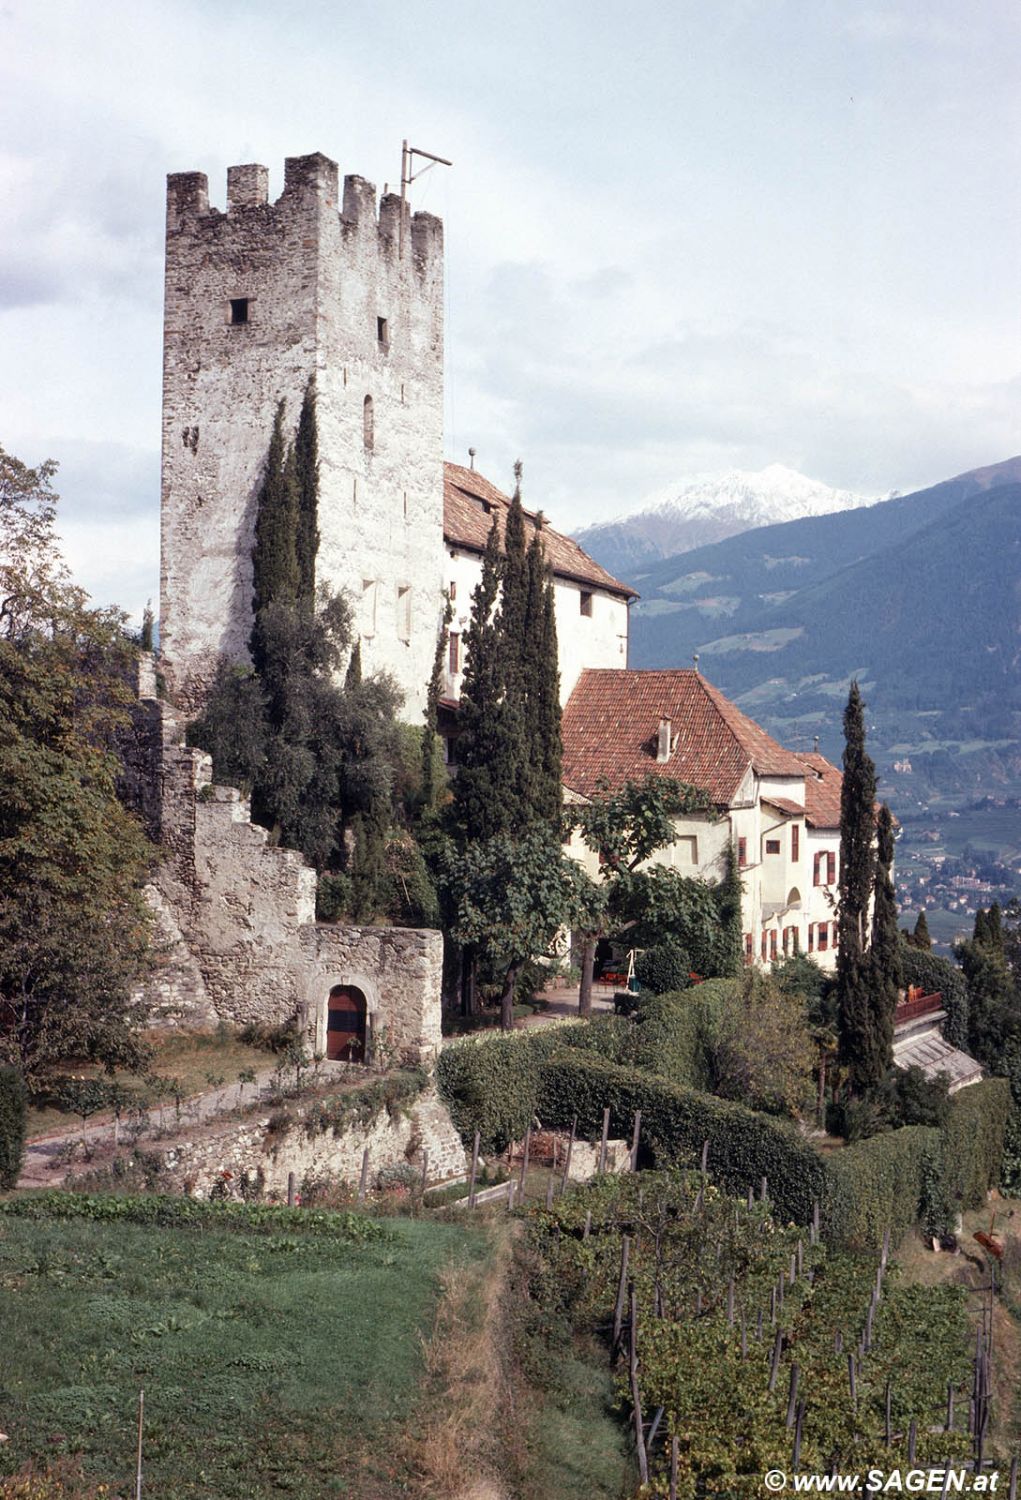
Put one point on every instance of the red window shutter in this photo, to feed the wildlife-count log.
(749, 950)
(824, 932)
(455, 652)
(795, 841)
(811, 933)
(772, 943)
(831, 869)
(742, 853)
(797, 940)
(764, 948)
(815, 869)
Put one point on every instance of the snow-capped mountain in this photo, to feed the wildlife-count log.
(708, 508)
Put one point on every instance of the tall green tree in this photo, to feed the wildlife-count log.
(864, 1046)
(541, 677)
(484, 803)
(920, 938)
(275, 575)
(885, 953)
(74, 926)
(306, 466)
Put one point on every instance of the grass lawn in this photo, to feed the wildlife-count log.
(272, 1362)
(193, 1058)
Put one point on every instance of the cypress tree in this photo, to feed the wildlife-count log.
(274, 556)
(994, 927)
(542, 691)
(306, 458)
(353, 675)
(862, 1046)
(887, 976)
(484, 788)
(920, 937)
(980, 932)
(430, 733)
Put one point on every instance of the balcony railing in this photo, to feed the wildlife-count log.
(913, 1006)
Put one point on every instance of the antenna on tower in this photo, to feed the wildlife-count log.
(408, 175)
(695, 660)
(471, 455)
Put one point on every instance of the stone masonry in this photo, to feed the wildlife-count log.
(260, 301)
(235, 916)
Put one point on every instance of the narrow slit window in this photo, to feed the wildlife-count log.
(239, 309)
(455, 653)
(404, 611)
(586, 603)
(383, 333)
(368, 425)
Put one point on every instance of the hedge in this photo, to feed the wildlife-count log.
(919, 1173)
(179, 1213)
(877, 1184)
(13, 1105)
(490, 1083)
(744, 1146)
(973, 1140)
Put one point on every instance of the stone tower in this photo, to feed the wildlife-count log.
(260, 300)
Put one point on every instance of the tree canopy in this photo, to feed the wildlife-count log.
(74, 925)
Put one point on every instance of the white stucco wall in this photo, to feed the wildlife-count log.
(598, 639)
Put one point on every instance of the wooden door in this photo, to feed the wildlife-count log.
(345, 1024)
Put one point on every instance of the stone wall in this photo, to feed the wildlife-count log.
(249, 1150)
(238, 939)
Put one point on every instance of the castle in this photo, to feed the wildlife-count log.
(264, 300)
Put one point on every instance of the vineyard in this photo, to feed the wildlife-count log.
(741, 1345)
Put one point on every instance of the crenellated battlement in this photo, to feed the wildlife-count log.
(311, 184)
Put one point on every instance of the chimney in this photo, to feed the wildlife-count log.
(663, 745)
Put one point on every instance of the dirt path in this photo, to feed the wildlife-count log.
(49, 1158)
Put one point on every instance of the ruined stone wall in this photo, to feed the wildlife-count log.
(316, 277)
(249, 1149)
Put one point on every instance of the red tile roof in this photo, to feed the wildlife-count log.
(611, 727)
(822, 791)
(469, 504)
(792, 809)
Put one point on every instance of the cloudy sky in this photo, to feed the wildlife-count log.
(681, 236)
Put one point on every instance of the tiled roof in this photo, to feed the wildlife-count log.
(469, 505)
(611, 727)
(792, 809)
(822, 792)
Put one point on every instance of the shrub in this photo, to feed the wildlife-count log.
(973, 1140)
(665, 968)
(491, 1084)
(877, 1184)
(334, 896)
(179, 1213)
(13, 1104)
(744, 1146)
(668, 1036)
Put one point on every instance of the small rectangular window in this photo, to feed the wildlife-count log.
(368, 606)
(404, 611)
(586, 602)
(239, 309)
(772, 846)
(455, 652)
(742, 853)
(383, 332)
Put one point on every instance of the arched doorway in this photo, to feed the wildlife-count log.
(346, 1024)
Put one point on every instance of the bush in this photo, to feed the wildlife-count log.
(919, 1172)
(931, 973)
(668, 1037)
(13, 1105)
(491, 1084)
(334, 896)
(877, 1184)
(973, 1140)
(744, 1146)
(665, 968)
(179, 1213)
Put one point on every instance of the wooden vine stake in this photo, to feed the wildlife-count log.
(1012, 1491)
(603, 1141)
(912, 1440)
(524, 1158)
(636, 1400)
(635, 1137)
(292, 1189)
(474, 1171)
(618, 1306)
(588, 1225)
(950, 1406)
(138, 1449)
(774, 1368)
(675, 1463)
(852, 1379)
(363, 1180)
(570, 1148)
